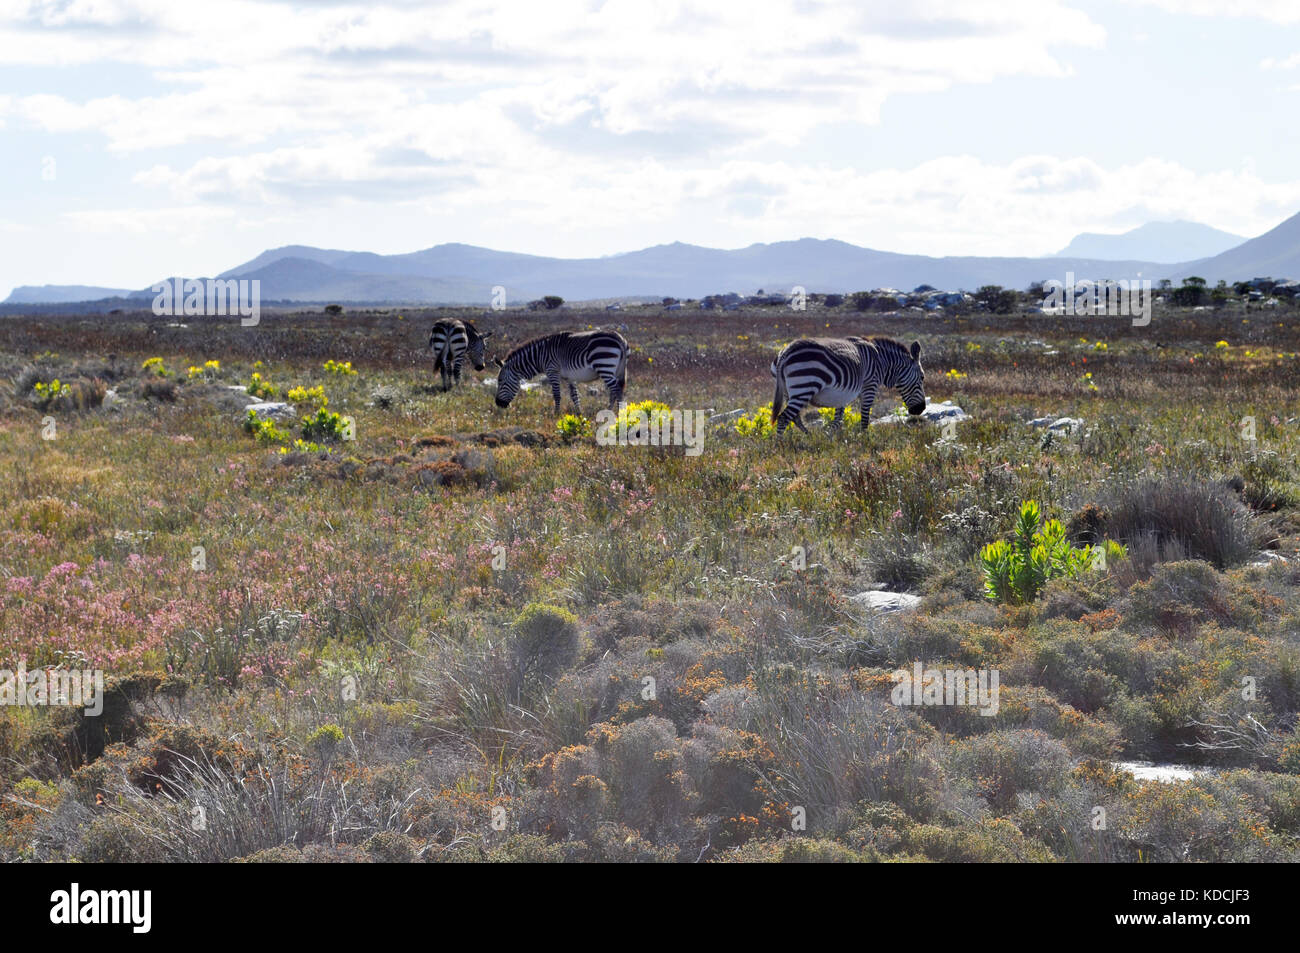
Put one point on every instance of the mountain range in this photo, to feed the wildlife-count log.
(1154, 241)
(465, 274)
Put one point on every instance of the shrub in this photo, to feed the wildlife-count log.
(851, 416)
(325, 739)
(341, 368)
(1016, 571)
(544, 641)
(572, 427)
(158, 388)
(303, 395)
(265, 431)
(209, 370)
(967, 529)
(898, 562)
(651, 412)
(325, 425)
(1176, 518)
(81, 394)
(259, 388)
(758, 425)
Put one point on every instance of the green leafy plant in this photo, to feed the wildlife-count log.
(303, 395)
(48, 393)
(325, 425)
(154, 365)
(572, 426)
(758, 425)
(851, 417)
(1016, 571)
(262, 389)
(265, 431)
(342, 368)
(629, 417)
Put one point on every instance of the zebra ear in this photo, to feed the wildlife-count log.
(916, 350)
(484, 337)
(499, 363)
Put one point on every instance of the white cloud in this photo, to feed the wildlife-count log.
(580, 127)
(954, 204)
(251, 72)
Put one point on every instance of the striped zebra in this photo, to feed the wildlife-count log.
(835, 372)
(571, 356)
(450, 340)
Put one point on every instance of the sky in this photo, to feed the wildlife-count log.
(146, 138)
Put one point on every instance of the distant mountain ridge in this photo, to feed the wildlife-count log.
(456, 273)
(1155, 241)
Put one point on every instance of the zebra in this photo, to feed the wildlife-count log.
(570, 356)
(450, 340)
(835, 372)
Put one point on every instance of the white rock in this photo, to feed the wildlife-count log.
(273, 410)
(728, 417)
(886, 601)
(943, 411)
(1057, 423)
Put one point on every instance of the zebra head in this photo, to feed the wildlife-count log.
(508, 381)
(909, 379)
(476, 351)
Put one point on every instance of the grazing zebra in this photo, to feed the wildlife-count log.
(570, 356)
(835, 372)
(450, 340)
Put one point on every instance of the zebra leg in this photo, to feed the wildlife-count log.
(792, 414)
(838, 422)
(456, 374)
(573, 392)
(446, 378)
(615, 385)
(864, 405)
(553, 378)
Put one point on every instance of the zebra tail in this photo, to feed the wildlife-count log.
(778, 402)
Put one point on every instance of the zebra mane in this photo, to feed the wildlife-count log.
(515, 351)
(890, 344)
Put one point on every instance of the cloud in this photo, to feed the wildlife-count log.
(573, 72)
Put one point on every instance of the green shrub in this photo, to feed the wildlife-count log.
(259, 388)
(758, 425)
(572, 426)
(264, 431)
(325, 425)
(544, 640)
(1016, 571)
